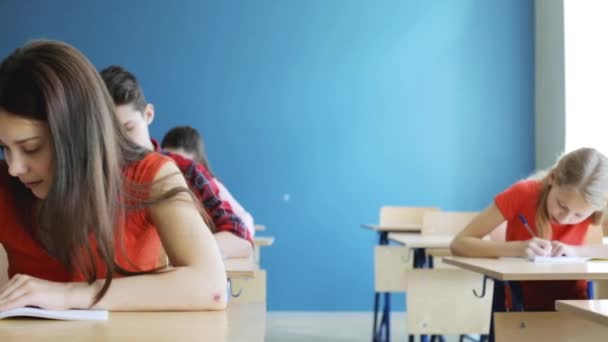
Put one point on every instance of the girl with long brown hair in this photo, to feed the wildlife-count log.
(84, 211)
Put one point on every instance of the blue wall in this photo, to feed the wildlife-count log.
(344, 105)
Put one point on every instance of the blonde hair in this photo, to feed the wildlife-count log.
(585, 170)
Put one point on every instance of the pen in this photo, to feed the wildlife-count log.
(525, 222)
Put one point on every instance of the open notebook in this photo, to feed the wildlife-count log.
(559, 260)
(66, 315)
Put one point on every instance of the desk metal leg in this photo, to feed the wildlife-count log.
(422, 261)
(464, 338)
(385, 319)
(590, 289)
(387, 313)
(517, 298)
(498, 305)
(376, 301)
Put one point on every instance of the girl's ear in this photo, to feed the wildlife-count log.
(149, 113)
(551, 177)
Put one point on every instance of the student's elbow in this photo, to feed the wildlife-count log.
(216, 305)
(455, 247)
(209, 293)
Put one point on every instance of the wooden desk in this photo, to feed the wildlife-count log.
(421, 241)
(592, 310)
(263, 241)
(240, 267)
(258, 242)
(410, 228)
(244, 322)
(429, 293)
(384, 279)
(247, 281)
(536, 326)
(516, 269)
(260, 227)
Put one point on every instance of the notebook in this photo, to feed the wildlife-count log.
(558, 260)
(66, 315)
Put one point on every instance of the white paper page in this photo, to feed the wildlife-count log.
(71, 315)
(559, 260)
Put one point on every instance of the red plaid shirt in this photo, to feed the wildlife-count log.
(198, 179)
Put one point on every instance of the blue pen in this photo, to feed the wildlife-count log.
(525, 222)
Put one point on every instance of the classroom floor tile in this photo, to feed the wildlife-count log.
(330, 327)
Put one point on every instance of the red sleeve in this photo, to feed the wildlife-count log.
(511, 201)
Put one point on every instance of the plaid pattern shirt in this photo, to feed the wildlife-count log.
(199, 182)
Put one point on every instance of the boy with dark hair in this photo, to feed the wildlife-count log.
(135, 115)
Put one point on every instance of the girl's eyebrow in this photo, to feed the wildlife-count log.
(26, 139)
(23, 140)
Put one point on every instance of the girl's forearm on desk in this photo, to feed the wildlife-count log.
(475, 247)
(182, 288)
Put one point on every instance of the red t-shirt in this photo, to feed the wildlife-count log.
(522, 198)
(26, 255)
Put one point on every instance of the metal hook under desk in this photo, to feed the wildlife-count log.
(235, 295)
(483, 289)
(409, 255)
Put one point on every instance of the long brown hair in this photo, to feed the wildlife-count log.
(124, 89)
(585, 170)
(53, 82)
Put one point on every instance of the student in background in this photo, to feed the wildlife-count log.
(187, 142)
(135, 115)
(84, 210)
(549, 216)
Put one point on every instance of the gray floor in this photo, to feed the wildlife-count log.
(330, 326)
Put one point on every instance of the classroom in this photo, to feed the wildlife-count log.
(283, 170)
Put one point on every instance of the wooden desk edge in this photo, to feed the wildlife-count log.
(492, 274)
(420, 244)
(240, 274)
(263, 240)
(590, 276)
(240, 267)
(567, 306)
(378, 228)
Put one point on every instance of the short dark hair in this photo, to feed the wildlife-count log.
(123, 87)
(187, 138)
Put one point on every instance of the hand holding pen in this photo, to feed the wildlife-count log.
(535, 246)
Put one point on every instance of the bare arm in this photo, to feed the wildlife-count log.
(198, 278)
(469, 242)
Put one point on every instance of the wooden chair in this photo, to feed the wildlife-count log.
(595, 236)
(249, 290)
(444, 223)
(546, 326)
(258, 243)
(391, 263)
(399, 216)
(440, 300)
